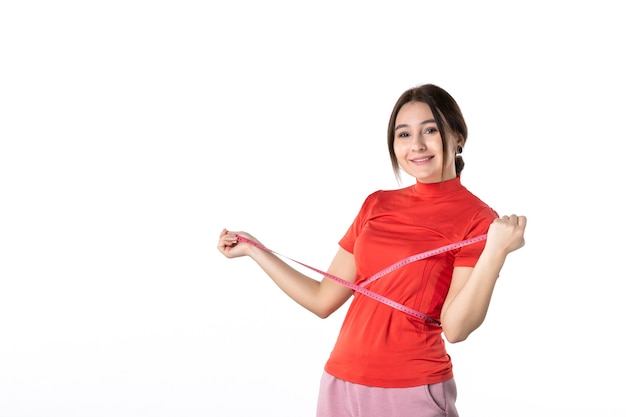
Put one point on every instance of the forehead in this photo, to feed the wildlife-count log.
(414, 112)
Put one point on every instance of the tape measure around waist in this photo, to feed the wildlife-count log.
(360, 288)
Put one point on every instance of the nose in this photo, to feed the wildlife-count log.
(418, 143)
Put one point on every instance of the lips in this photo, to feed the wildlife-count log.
(422, 160)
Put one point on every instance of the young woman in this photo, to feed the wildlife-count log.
(387, 362)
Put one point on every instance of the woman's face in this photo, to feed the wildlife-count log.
(418, 147)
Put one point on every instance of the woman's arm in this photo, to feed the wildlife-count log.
(320, 297)
(468, 298)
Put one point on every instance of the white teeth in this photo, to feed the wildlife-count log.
(421, 160)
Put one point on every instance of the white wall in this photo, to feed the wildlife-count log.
(132, 132)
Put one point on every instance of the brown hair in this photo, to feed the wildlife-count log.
(446, 112)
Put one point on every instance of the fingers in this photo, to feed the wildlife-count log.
(226, 240)
(229, 237)
(508, 232)
(514, 223)
(514, 220)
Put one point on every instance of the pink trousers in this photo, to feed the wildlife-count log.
(339, 398)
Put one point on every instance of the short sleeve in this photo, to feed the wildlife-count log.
(348, 240)
(468, 255)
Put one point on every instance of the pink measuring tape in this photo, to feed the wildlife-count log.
(372, 294)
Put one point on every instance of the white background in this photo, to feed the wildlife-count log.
(132, 132)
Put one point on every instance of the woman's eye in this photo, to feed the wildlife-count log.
(403, 135)
(430, 130)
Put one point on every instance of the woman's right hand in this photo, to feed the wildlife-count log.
(230, 247)
(320, 297)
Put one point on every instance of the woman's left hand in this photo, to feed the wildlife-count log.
(507, 233)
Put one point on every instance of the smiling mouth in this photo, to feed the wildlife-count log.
(422, 160)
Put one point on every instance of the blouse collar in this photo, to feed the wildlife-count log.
(438, 188)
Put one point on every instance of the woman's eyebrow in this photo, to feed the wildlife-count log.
(402, 126)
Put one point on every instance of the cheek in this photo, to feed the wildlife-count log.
(395, 148)
(399, 148)
(434, 145)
